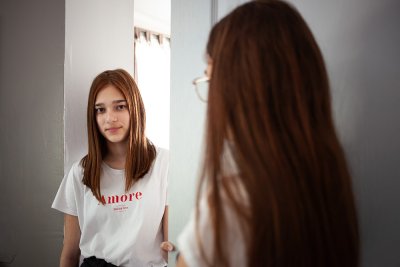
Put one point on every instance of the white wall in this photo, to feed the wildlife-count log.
(98, 36)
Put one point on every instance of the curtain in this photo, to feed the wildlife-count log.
(152, 74)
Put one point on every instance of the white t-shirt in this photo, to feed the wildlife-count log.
(234, 238)
(127, 230)
(233, 243)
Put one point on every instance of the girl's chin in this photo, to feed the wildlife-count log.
(116, 139)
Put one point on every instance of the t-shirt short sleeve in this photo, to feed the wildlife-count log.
(66, 198)
(160, 171)
(165, 173)
(188, 243)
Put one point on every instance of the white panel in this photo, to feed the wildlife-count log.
(191, 22)
(99, 36)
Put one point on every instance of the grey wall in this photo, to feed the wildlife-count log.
(31, 131)
(360, 41)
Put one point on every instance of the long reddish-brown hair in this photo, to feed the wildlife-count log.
(269, 96)
(141, 152)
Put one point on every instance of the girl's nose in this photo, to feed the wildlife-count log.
(111, 117)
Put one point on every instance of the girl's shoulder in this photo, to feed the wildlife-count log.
(161, 162)
(75, 173)
(77, 167)
(162, 156)
(162, 153)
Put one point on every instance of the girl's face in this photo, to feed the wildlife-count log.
(208, 70)
(112, 114)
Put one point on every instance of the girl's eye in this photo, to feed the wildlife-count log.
(121, 107)
(99, 110)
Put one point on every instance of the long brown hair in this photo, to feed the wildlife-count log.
(141, 152)
(269, 95)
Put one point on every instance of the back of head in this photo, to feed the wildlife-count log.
(269, 96)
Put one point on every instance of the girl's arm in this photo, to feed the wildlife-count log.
(168, 246)
(181, 262)
(72, 233)
(165, 224)
(164, 245)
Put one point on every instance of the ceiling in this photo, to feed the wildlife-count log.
(154, 15)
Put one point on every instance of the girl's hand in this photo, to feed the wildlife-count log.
(167, 246)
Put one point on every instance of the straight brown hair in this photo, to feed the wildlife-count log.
(141, 152)
(269, 96)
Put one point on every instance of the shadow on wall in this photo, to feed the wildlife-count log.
(8, 251)
(7, 254)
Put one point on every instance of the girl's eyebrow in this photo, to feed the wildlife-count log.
(119, 101)
(114, 102)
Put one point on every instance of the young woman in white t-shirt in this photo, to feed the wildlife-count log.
(114, 199)
(276, 190)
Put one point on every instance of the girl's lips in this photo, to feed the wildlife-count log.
(113, 130)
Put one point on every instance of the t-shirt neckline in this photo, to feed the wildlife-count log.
(116, 171)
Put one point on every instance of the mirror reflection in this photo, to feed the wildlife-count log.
(114, 193)
(114, 198)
